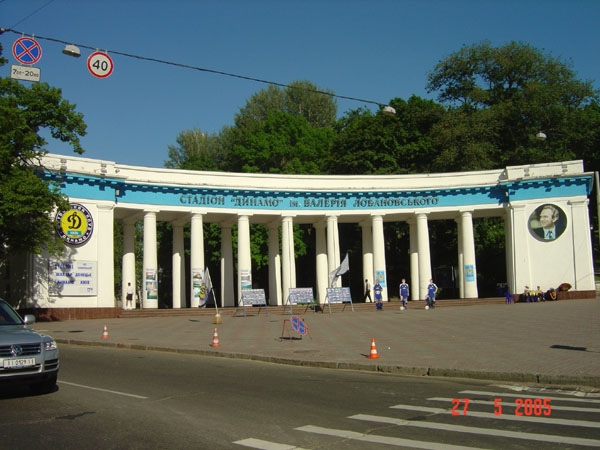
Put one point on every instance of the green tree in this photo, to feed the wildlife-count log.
(368, 143)
(501, 98)
(196, 150)
(26, 201)
(294, 123)
(283, 143)
(300, 98)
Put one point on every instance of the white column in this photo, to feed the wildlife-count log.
(150, 275)
(510, 252)
(275, 296)
(424, 254)
(128, 261)
(321, 262)
(522, 277)
(379, 254)
(178, 273)
(415, 292)
(582, 247)
(461, 260)
(288, 263)
(469, 268)
(333, 247)
(367, 254)
(244, 256)
(227, 290)
(196, 255)
(106, 256)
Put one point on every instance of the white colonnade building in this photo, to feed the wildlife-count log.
(102, 192)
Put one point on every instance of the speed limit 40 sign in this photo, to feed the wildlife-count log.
(100, 64)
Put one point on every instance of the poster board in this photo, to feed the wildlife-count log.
(339, 295)
(253, 297)
(300, 296)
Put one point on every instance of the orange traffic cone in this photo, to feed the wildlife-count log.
(215, 342)
(105, 332)
(373, 353)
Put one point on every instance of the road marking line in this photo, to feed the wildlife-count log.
(484, 431)
(102, 390)
(511, 404)
(399, 442)
(266, 445)
(562, 399)
(541, 390)
(572, 423)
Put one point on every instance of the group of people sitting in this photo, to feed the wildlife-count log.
(538, 295)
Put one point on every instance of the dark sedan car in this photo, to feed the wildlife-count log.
(26, 355)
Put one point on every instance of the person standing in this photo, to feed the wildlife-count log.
(431, 292)
(378, 290)
(129, 297)
(367, 291)
(404, 293)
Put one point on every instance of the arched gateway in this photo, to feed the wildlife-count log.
(530, 198)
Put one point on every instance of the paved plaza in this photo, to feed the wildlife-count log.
(550, 343)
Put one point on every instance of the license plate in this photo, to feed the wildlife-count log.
(18, 363)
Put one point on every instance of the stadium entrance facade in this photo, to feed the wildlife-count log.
(531, 199)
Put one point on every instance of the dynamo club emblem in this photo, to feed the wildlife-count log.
(76, 225)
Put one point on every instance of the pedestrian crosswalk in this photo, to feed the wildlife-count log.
(544, 421)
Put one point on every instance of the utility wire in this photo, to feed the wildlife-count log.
(201, 69)
(32, 14)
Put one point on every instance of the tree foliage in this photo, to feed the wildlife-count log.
(26, 201)
(282, 143)
(196, 150)
(500, 98)
(300, 98)
(368, 143)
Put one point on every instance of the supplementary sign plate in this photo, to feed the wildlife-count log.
(25, 73)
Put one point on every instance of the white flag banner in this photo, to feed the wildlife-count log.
(207, 283)
(344, 266)
(204, 288)
(341, 270)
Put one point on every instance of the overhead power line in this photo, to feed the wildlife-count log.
(32, 14)
(200, 69)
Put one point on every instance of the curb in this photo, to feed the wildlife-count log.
(581, 383)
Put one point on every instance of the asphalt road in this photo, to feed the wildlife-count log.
(110, 398)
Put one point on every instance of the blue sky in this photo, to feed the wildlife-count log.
(373, 49)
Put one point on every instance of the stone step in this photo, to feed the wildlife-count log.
(300, 309)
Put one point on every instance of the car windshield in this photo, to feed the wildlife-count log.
(8, 316)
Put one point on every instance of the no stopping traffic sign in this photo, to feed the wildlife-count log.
(26, 50)
(100, 64)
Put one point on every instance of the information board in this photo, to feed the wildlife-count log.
(254, 297)
(301, 295)
(339, 295)
(72, 278)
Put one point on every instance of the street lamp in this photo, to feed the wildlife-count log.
(541, 136)
(389, 110)
(72, 50)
